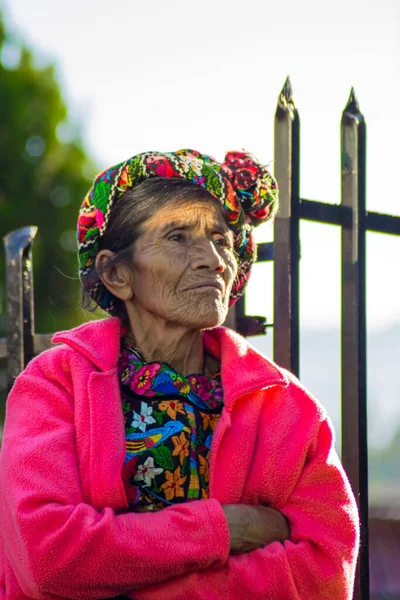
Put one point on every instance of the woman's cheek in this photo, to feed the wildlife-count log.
(232, 266)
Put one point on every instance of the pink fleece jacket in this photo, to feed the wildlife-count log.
(65, 528)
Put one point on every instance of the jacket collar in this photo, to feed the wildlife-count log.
(98, 341)
(243, 368)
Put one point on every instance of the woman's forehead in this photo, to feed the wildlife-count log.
(189, 213)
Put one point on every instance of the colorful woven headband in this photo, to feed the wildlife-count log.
(246, 190)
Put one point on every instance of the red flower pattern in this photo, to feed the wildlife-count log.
(142, 379)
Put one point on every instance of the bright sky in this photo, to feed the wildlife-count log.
(160, 75)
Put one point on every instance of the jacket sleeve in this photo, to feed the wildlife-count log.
(55, 543)
(318, 562)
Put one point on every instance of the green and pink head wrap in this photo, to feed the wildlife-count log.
(246, 190)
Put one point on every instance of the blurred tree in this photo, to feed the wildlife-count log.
(44, 174)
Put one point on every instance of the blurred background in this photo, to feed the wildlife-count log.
(84, 85)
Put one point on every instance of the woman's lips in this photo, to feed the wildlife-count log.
(207, 286)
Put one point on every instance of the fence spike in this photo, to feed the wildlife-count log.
(287, 89)
(285, 98)
(352, 107)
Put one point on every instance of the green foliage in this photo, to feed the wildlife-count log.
(163, 457)
(158, 416)
(42, 182)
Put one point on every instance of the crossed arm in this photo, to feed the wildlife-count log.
(316, 563)
(60, 545)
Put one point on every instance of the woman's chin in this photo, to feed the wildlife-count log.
(209, 319)
(205, 316)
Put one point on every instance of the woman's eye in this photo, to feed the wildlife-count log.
(176, 237)
(222, 242)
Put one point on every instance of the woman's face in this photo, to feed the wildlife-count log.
(184, 265)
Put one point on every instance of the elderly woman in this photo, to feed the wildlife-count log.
(155, 454)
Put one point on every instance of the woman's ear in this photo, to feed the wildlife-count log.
(115, 276)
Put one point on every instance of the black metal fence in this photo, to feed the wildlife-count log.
(22, 342)
(355, 221)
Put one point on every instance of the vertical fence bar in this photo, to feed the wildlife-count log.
(20, 301)
(286, 232)
(235, 314)
(354, 393)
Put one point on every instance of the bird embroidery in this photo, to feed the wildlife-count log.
(171, 383)
(139, 442)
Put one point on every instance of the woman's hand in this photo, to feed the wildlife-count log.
(252, 527)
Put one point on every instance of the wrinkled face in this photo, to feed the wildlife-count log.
(184, 265)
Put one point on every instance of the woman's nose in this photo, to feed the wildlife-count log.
(206, 256)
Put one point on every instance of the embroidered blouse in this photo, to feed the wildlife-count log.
(169, 424)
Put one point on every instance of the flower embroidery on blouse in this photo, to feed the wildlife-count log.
(201, 385)
(144, 419)
(173, 485)
(204, 468)
(172, 407)
(158, 378)
(210, 420)
(141, 380)
(169, 424)
(181, 446)
(147, 471)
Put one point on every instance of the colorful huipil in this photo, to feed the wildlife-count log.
(169, 424)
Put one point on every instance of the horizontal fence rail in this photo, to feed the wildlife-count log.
(338, 214)
(40, 342)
